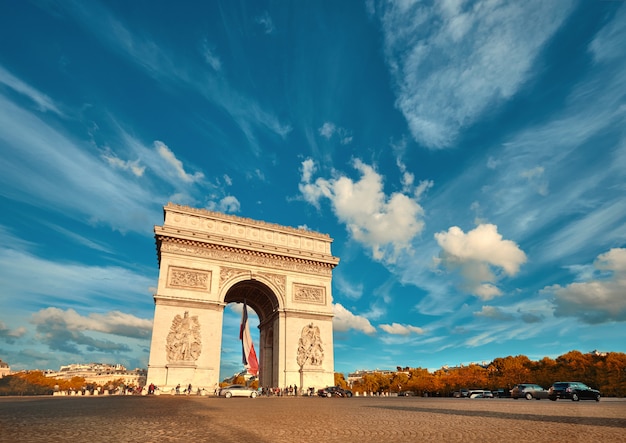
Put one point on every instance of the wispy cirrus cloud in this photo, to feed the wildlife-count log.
(64, 176)
(266, 22)
(43, 102)
(453, 61)
(172, 69)
(66, 284)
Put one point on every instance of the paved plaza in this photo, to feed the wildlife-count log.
(302, 419)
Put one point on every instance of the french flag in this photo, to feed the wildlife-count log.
(249, 356)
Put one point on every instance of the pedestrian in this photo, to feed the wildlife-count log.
(178, 389)
(189, 389)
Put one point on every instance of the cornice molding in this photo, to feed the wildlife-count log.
(230, 254)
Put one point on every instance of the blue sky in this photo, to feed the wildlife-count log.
(467, 158)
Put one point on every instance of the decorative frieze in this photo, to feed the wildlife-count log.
(188, 279)
(240, 256)
(309, 294)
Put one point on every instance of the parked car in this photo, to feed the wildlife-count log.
(480, 393)
(238, 391)
(501, 393)
(334, 391)
(461, 393)
(573, 390)
(528, 391)
(406, 394)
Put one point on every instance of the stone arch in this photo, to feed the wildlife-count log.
(262, 294)
(209, 259)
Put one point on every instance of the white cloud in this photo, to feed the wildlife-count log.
(329, 129)
(124, 165)
(113, 322)
(345, 320)
(10, 335)
(600, 300)
(68, 331)
(226, 204)
(494, 313)
(453, 61)
(167, 154)
(349, 289)
(475, 254)
(386, 224)
(398, 329)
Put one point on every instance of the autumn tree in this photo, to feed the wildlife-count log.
(340, 380)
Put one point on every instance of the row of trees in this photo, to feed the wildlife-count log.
(36, 383)
(606, 372)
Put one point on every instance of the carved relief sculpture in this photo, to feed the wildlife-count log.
(309, 294)
(186, 278)
(184, 341)
(310, 349)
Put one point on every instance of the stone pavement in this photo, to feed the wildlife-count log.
(302, 419)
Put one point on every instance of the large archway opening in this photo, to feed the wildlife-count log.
(263, 307)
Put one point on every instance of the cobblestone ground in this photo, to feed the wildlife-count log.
(302, 419)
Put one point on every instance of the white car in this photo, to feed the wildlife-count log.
(238, 391)
(480, 393)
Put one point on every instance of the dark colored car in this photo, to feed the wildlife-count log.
(334, 391)
(502, 393)
(528, 391)
(573, 390)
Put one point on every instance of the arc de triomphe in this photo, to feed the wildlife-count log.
(207, 260)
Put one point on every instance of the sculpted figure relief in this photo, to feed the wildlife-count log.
(310, 349)
(184, 341)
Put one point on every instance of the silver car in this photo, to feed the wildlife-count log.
(238, 391)
(528, 391)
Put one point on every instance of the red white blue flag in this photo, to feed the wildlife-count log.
(249, 359)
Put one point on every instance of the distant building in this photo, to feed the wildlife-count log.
(358, 375)
(5, 369)
(101, 373)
